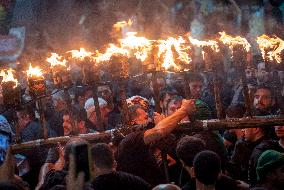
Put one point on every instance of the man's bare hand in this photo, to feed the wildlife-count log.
(188, 106)
(7, 168)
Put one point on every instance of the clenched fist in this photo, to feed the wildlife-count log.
(188, 106)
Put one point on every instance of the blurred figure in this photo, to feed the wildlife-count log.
(270, 167)
(105, 175)
(166, 187)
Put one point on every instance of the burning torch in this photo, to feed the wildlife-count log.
(11, 92)
(37, 90)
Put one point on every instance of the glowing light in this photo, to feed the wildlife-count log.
(34, 72)
(9, 77)
(141, 46)
(55, 60)
(167, 50)
(233, 41)
(272, 46)
(80, 54)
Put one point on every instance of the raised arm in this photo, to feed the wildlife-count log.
(167, 125)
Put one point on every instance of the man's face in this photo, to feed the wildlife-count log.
(263, 99)
(105, 93)
(195, 89)
(67, 124)
(166, 99)
(249, 134)
(262, 74)
(141, 117)
(279, 130)
(104, 115)
(249, 73)
(21, 120)
(173, 106)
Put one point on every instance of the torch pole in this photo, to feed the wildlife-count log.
(125, 115)
(97, 107)
(217, 95)
(156, 92)
(186, 85)
(216, 85)
(157, 103)
(42, 120)
(240, 60)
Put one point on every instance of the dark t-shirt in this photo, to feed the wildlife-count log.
(31, 132)
(257, 151)
(119, 180)
(223, 183)
(135, 157)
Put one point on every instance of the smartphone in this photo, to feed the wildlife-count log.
(83, 159)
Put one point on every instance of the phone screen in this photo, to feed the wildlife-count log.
(82, 160)
(4, 144)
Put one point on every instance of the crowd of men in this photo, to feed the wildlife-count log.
(250, 158)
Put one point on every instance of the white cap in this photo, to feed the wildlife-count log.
(90, 107)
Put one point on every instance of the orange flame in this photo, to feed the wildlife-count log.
(275, 45)
(34, 72)
(80, 54)
(119, 25)
(233, 41)
(54, 60)
(166, 52)
(110, 51)
(140, 45)
(210, 43)
(8, 76)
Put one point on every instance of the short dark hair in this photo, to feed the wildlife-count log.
(207, 166)
(68, 148)
(132, 111)
(102, 156)
(28, 110)
(174, 99)
(80, 91)
(266, 87)
(77, 115)
(188, 147)
(167, 90)
(235, 111)
(195, 77)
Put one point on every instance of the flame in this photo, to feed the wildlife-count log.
(54, 60)
(80, 54)
(34, 72)
(122, 24)
(166, 52)
(210, 43)
(110, 51)
(8, 76)
(233, 41)
(275, 45)
(140, 45)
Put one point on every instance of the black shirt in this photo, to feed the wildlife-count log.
(119, 180)
(222, 183)
(135, 157)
